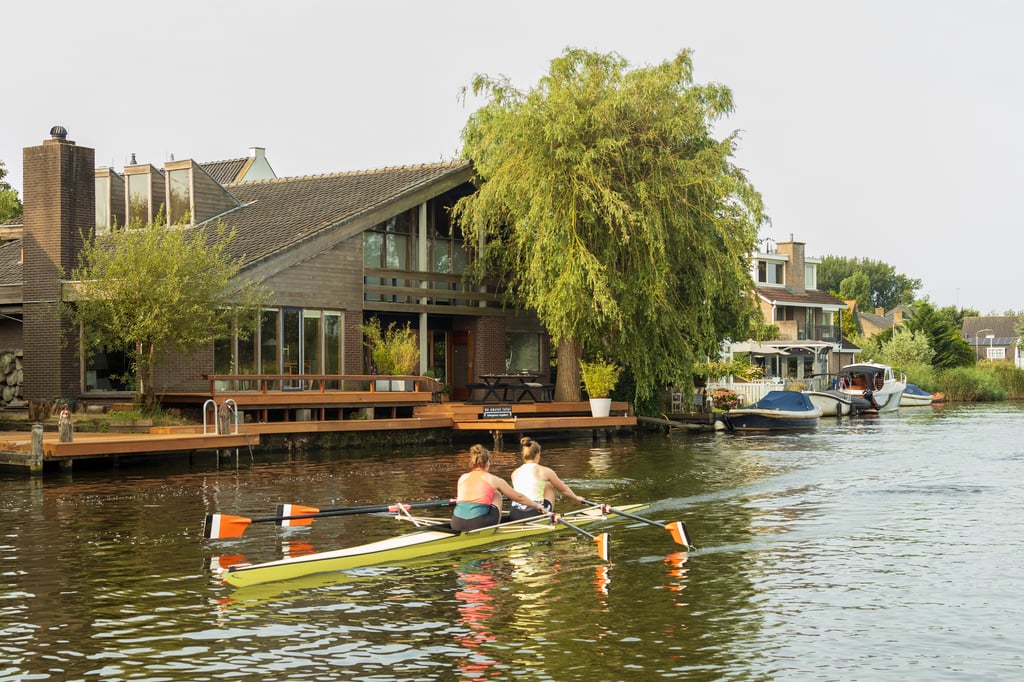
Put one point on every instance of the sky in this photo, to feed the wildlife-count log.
(889, 130)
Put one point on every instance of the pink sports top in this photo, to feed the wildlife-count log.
(473, 488)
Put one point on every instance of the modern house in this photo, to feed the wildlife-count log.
(994, 338)
(809, 341)
(333, 251)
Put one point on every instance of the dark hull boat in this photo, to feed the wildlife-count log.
(777, 411)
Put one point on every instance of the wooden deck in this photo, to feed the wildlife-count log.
(16, 448)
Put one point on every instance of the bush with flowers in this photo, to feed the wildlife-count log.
(725, 399)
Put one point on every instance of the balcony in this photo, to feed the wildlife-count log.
(792, 330)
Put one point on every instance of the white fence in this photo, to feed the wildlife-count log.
(751, 391)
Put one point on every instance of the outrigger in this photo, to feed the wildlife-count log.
(436, 538)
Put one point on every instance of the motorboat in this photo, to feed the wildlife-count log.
(874, 382)
(915, 396)
(838, 403)
(776, 411)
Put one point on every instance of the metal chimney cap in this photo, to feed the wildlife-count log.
(59, 133)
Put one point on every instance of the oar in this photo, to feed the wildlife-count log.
(601, 538)
(676, 528)
(219, 526)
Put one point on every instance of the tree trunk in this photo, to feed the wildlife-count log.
(567, 386)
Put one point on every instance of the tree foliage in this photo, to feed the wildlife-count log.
(951, 349)
(886, 288)
(10, 206)
(614, 212)
(155, 289)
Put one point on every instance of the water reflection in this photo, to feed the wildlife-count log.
(475, 585)
(860, 532)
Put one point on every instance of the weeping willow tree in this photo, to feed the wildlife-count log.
(154, 289)
(610, 208)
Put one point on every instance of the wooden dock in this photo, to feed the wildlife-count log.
(33, 450)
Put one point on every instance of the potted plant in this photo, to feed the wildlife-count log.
(393, 351)
(599, 379)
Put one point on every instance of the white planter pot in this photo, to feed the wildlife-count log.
(600, 407)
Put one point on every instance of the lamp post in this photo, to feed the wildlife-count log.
(976, 335)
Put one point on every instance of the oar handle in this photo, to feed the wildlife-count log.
(613, 510)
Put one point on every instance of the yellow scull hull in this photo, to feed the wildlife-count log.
(404, 548)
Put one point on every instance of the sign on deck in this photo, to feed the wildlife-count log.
(497, 412)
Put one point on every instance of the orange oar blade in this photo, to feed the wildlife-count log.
(225, 526)
(679, 534)
(295, 510)
(602, 545)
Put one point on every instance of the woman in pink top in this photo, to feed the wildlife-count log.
(478, 502)
(537, 482)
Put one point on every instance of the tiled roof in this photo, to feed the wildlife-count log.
(278, 213)
(225, 172)
(809, 298)
(10, 262)
(1001, 326)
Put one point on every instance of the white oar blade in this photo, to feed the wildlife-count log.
(294, 510)
(220, 526)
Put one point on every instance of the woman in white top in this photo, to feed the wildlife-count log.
(537, 482)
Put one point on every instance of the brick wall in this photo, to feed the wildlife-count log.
(59, 206)
(489, 346)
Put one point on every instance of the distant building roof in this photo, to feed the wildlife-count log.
(1001, 327)
(809, 298)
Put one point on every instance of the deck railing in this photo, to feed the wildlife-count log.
(322, 383)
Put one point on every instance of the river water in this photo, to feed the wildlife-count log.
(872, 549)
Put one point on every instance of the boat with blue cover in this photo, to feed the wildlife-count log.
(915, 396)
(776, 411)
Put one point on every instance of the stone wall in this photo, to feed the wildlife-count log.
(10, 378)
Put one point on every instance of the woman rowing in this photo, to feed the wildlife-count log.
(537, 482)
(478, 502)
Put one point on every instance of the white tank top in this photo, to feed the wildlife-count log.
(526, 479)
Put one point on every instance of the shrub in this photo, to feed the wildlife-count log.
(395, 350)
(971, 384)
(725, 399)
(599, 377)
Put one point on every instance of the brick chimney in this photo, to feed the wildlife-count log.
(59, 207)
(795, 274)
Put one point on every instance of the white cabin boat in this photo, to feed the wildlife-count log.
(874, 382)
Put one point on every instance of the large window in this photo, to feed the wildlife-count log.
(138, 199)
(522, 352)
(179, 186)
(109, 370)
(102, 205)
(268, 342)
(769, 272)
(387, 245)
(811, 276)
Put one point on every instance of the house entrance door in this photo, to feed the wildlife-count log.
(462, 363)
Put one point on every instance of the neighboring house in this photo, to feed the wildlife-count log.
(333, 251)
(871, 324)
(993, 338)
(807, 319)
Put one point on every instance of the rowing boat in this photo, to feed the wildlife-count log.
(435, 539)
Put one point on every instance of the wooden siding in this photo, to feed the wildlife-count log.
(331, 280)
(209, 199)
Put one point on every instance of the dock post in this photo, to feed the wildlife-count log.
(36, 462)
